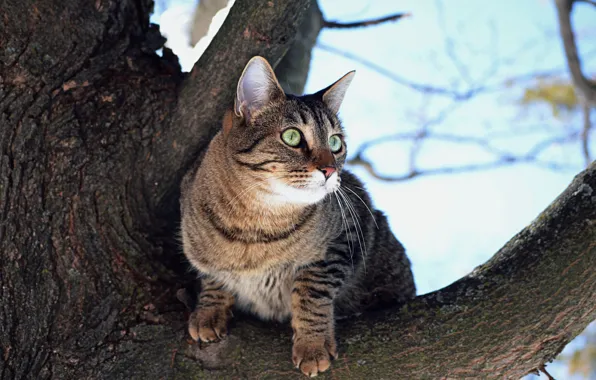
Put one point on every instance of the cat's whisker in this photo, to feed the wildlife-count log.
(344, 222)
(359, 233)
(358, 230)
(364, 203)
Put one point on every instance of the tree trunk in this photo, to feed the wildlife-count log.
(95, 134)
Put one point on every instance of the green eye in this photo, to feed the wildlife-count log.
(291, 137)
(335, 143)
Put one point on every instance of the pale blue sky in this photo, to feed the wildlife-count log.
(449, 223)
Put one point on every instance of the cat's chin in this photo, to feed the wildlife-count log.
(283, 194)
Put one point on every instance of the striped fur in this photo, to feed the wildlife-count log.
(256, 228)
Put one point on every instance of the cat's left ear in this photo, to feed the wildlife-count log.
(333, 95)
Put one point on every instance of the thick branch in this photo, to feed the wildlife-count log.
(586, 87)
(253, 27)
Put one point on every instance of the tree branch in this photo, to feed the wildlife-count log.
(421, 87)
(545, 372)
(253, 27)
(585, 87)
(415, 172)
(435, 90)
(364, 23)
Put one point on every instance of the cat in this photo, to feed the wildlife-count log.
(276, 227)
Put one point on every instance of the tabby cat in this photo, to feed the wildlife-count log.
(275, 226)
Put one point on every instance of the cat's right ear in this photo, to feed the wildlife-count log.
(257, 88)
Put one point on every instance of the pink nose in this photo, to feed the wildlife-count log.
(327, 171)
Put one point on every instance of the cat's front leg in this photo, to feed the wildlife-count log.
(209, 321)
(312, 318)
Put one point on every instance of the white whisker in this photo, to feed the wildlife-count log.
(365, 205)
(359, 233)
(344, 222)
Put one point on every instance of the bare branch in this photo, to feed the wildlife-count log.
(364, 23)
(585, 87)
(502, 158)
(585, 135)
(593, 2)
(441, 91)
(413, 173)
(429, 89)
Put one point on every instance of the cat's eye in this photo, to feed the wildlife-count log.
(291, 136)
(335, 143)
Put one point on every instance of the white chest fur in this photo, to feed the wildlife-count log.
(267, 295)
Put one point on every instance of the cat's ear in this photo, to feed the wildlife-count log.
(257, 87)
(334, 94)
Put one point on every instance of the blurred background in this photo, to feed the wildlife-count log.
(462, 119)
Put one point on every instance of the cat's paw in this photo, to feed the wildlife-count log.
(313, 354)
(209, 324)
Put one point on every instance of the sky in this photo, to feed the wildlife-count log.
(451, 223)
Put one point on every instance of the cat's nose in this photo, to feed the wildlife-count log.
(327, 171)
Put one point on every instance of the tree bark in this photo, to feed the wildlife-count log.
(95, 134)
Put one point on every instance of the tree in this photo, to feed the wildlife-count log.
(96, 132)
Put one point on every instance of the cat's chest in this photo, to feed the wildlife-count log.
(267, 294)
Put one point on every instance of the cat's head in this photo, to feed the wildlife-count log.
(294, 145)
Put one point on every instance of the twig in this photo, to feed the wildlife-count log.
(585, 135)
(593, 2)
(363, 23)
(434, 90)
(542, 369)
(450, 48)
(584, 86)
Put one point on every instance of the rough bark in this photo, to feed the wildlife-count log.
(95, 132)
